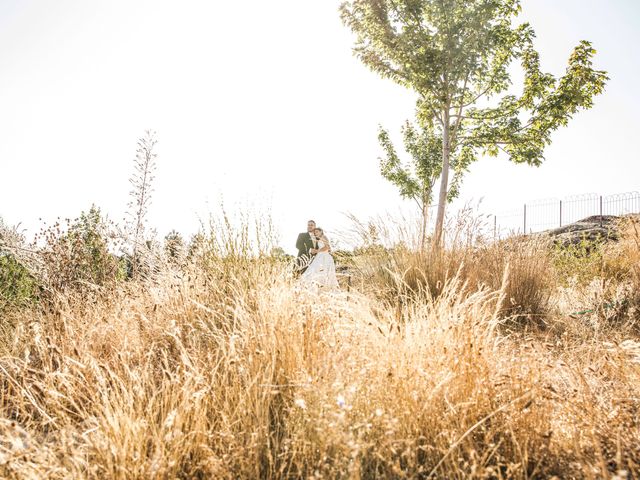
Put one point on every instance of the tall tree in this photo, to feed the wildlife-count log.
(456, 55)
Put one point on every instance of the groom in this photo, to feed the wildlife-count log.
(307, 247)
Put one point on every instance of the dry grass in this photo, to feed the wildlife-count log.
(224, 369)
(520, 267)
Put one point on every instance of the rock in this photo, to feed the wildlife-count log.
(590, 229)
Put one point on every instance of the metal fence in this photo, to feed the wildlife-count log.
(554, 213)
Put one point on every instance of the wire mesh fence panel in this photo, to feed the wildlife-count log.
(553, 213)
(579, 207)
(507, 224)
(621, 204)
(542, 215)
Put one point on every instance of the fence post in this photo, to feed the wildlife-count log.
(495, 227)
(525, 219)
(561, 213)
(601, 210)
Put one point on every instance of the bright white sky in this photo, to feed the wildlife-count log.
(262, 104)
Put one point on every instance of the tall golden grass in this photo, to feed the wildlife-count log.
(428, 367)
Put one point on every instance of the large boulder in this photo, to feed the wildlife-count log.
(590, 229)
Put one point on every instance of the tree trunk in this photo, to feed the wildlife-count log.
(425, 214)
(444, 181)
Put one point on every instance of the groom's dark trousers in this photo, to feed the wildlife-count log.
(304, 244)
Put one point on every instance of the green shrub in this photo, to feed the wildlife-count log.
(79, 257)
(578, 262)
(17, 286)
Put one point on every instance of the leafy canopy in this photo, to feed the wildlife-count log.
(456, 54)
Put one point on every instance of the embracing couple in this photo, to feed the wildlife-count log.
(314, 258)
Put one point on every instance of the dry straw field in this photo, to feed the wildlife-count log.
(514, 359)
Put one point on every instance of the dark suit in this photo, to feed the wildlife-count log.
(304, 244)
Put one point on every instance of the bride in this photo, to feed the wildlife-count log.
(322, 269)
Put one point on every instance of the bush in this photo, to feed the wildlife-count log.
(578, 262)
(79, 259)
(603, 277)
(621, 269)
(17, 286)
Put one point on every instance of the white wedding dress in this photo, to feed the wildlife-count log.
(321, 271)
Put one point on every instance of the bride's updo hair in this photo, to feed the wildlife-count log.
(321, 235)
